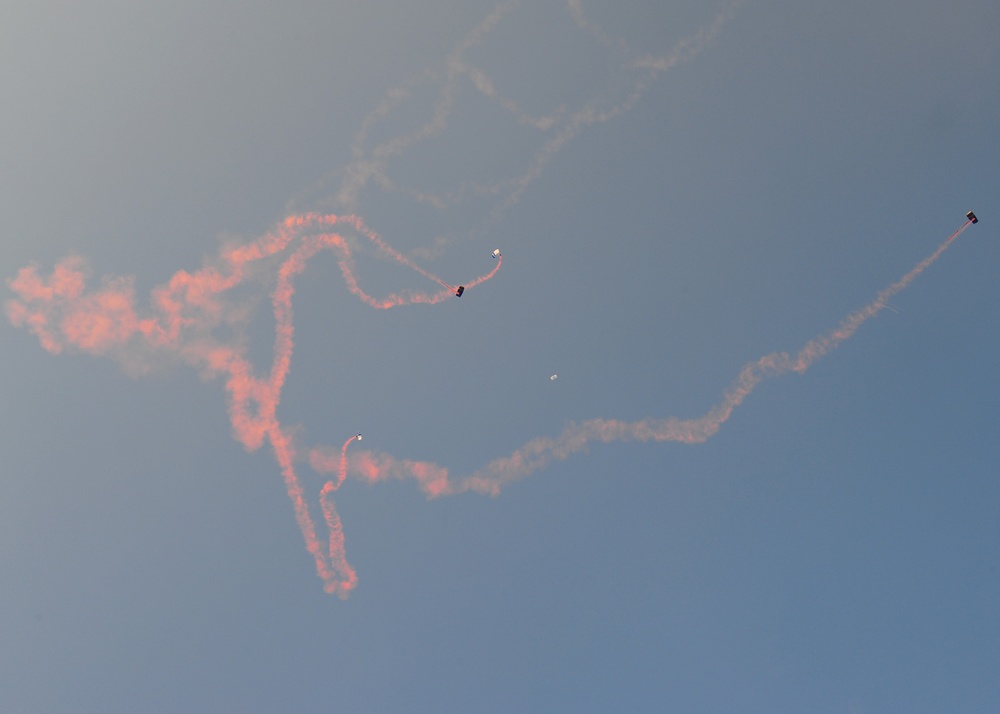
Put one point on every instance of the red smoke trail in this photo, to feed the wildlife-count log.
(484, 278)
(818, 347)
(62, 314)
(181, 320)
(347, 578)
(434, 480)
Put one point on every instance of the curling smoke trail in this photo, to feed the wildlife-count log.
(185, 312)
(61, 312)
(434, 480)
(345, 576)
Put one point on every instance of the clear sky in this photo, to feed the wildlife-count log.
(685, 196)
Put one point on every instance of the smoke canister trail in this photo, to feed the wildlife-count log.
(183, 320)
(435, 480)
(187, 310)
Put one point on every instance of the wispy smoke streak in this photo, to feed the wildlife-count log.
(558, 127)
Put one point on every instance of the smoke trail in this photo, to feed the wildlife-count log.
(346, 578)
(183, 316)
(62, 313)
(557, 127)
(434, 480)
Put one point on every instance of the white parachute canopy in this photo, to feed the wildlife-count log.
(554, 377)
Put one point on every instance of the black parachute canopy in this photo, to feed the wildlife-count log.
(972, 217)
(461, 289)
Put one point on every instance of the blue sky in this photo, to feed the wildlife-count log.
(834, 548)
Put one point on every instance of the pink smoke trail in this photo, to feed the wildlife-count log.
(63, 314)
(435, 481)
(184, 312)
(347, 577)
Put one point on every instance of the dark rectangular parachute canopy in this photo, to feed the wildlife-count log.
(972, 217)
(461, 289)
